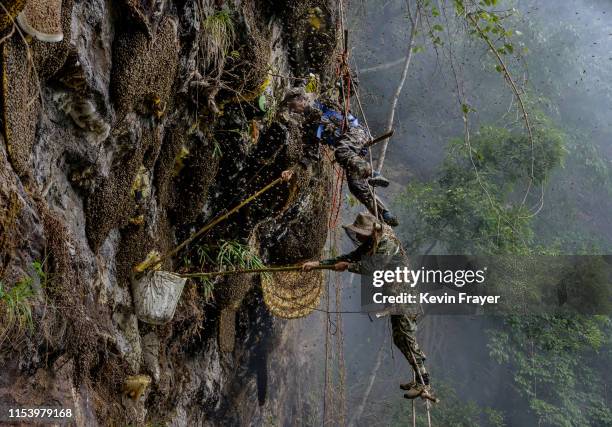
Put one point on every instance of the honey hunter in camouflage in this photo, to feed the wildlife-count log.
(374, 239)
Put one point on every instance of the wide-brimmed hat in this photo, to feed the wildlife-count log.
(364, 225)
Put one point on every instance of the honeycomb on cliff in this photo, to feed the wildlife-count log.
(144, 67)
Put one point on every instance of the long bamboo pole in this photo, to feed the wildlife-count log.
(379, 139)
(146, 265)
(379, 358)
(253, 271)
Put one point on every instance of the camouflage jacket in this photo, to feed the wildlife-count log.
(388, 247)
(323, 125)
(388, 253)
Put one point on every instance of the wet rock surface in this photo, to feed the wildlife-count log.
(107, 153)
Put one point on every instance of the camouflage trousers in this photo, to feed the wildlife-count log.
(358, 169)
(404, 337)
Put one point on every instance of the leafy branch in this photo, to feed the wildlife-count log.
(503, 68)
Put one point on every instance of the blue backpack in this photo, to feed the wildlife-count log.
(335, 117)
(338, 118)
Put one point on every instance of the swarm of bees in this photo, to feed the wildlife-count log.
(9, 12)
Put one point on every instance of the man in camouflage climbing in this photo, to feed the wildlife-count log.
(379, 241)
(348, 138)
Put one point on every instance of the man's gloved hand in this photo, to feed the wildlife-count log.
(342, 266)
(339, 266)
(307, 266)
(287, 175)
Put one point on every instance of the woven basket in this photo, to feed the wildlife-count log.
(291, 295)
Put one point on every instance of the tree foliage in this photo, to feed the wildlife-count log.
(557, 365)
(534, 178)
(475, 205)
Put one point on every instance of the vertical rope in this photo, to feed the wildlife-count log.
(326, 380)
(365, 122)
(340, 348)
(413, 413)
(337, 185)
(418, 371)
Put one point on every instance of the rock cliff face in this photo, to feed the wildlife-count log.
(150, 118)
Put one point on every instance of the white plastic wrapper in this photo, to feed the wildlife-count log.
(156, 295)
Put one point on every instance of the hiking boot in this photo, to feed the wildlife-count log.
(390, 219)
(413, 390)
(422, 379)
(418, 390)
(42, 19)
(408, 386)
(378, 181)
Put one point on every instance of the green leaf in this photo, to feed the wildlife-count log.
(459, 7)
(485, 16)
(261, 102)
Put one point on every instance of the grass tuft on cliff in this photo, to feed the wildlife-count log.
(16, 308)
(219, 37)
(16, 303)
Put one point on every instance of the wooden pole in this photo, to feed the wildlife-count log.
(146, 265)
(381, 138)
(253, 271)
(366, 395)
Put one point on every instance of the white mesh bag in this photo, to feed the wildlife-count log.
(156, 295)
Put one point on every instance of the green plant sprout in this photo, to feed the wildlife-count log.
(229, 255)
